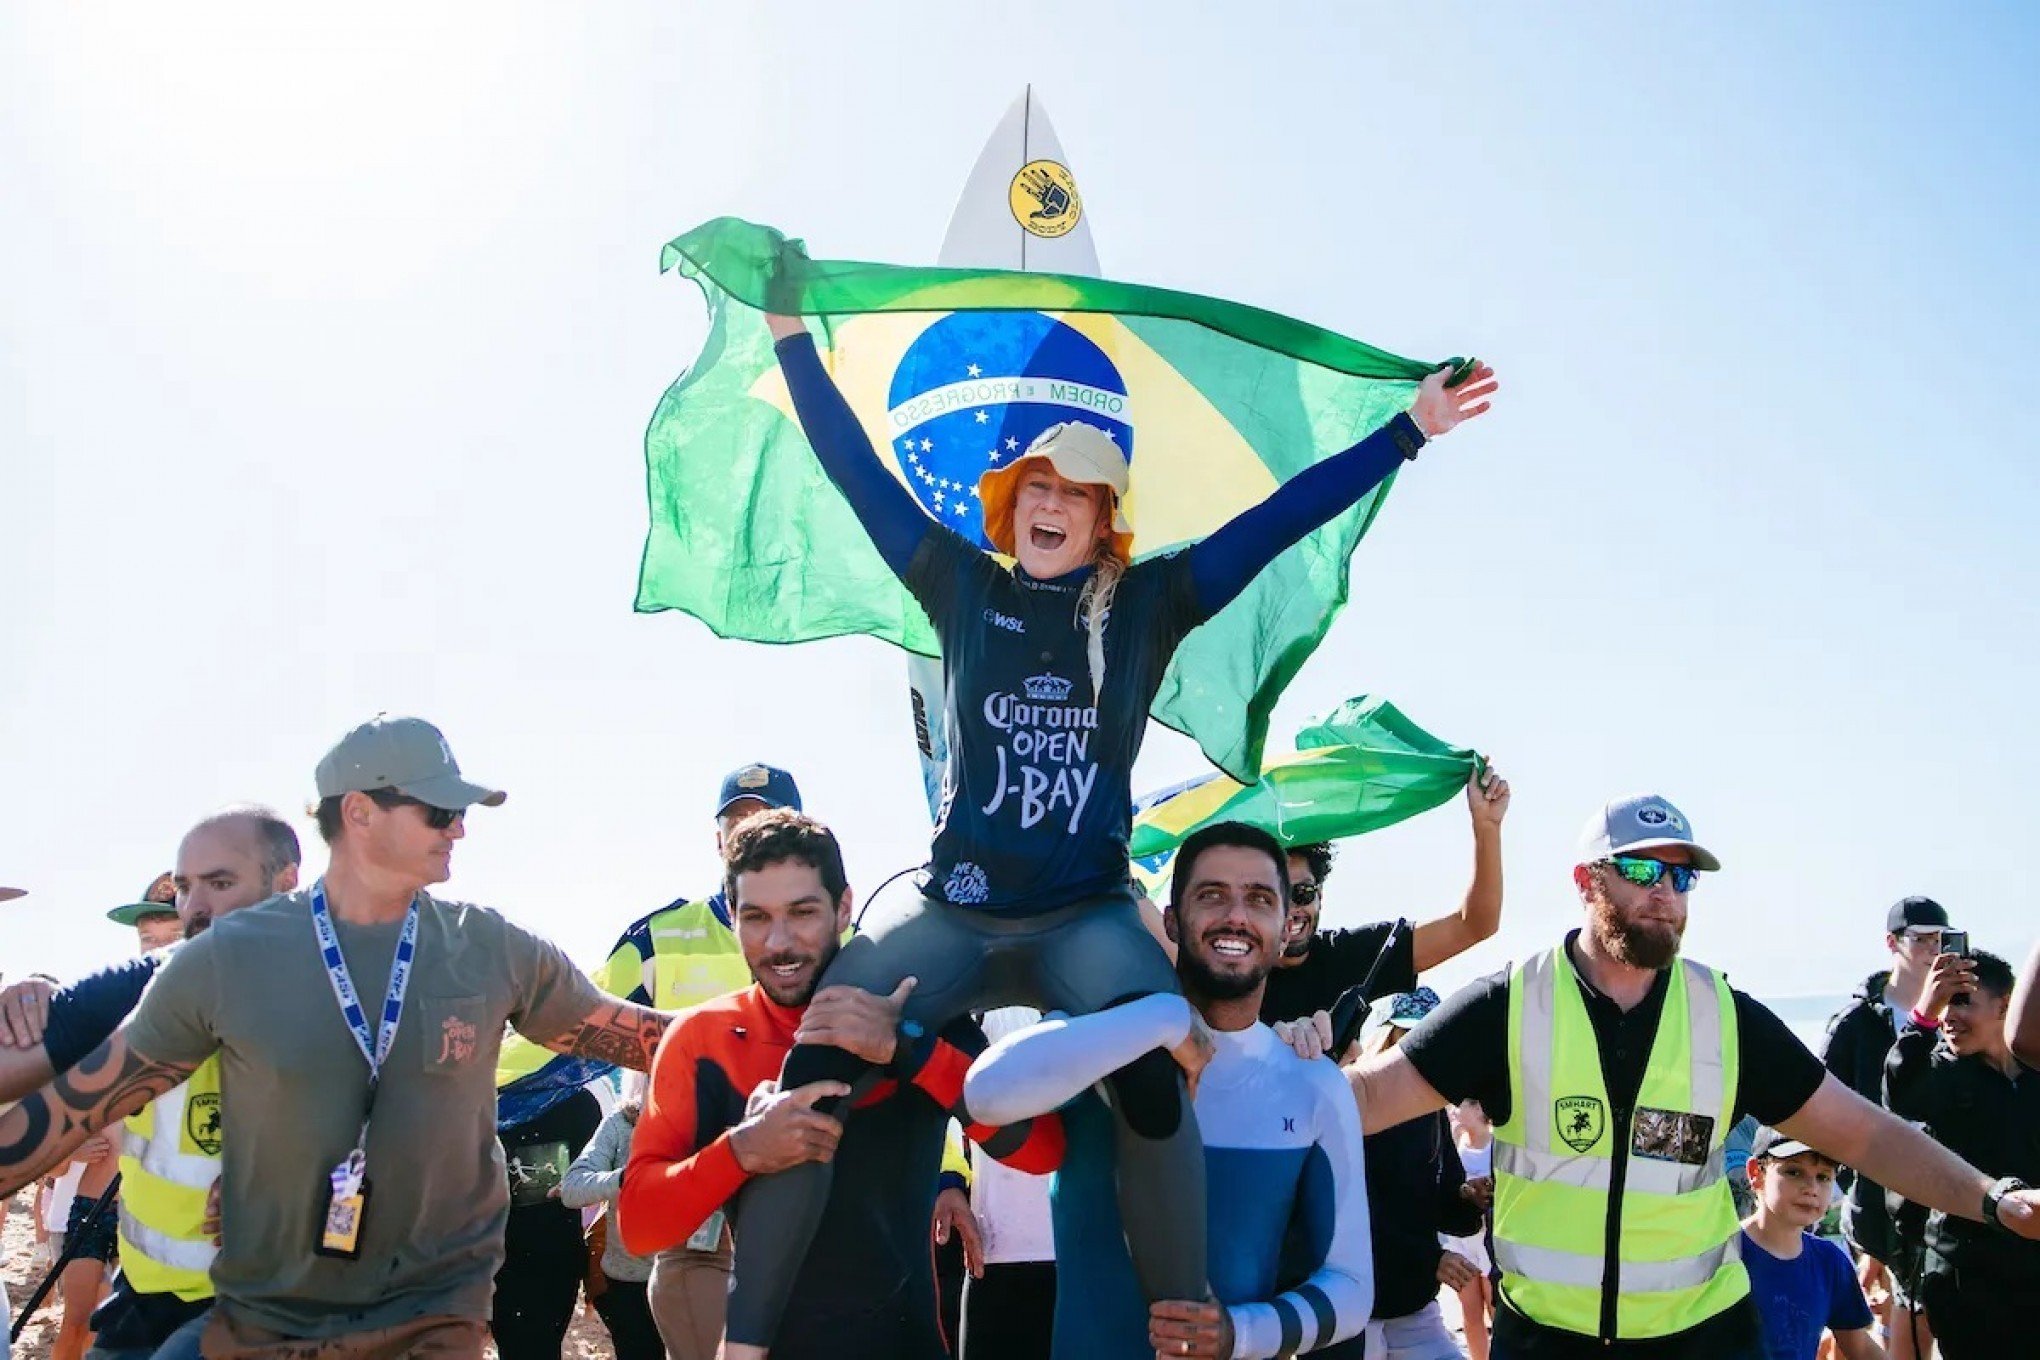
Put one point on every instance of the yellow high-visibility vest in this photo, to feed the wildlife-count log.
(695, 958)
(679, 956)
(169, 1159)
(1563, 1197)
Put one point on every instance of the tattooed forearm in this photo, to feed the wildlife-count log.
(46, 1126)
(616, 1032)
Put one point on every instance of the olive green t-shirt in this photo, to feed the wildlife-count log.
(293, 1087)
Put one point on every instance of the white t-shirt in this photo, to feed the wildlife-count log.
(1011, 1206)
(57, 1203)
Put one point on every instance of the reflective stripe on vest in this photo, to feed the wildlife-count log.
(169, 1161)
(1554, 1161)
(695, 958)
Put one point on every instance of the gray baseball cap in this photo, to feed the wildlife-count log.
(1640, 821)
(9, 894)
(408, 755)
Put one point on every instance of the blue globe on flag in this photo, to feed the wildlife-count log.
(974, 390)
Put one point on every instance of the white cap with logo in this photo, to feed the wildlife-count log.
(1640, 821)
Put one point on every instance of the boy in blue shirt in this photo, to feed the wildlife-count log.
(1802, 1284)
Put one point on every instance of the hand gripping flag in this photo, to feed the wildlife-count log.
(1362, 768)
(953, 372)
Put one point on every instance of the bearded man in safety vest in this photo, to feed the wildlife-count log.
(1613, 1070)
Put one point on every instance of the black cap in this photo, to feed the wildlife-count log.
(1909, 912)
(1772, 1144)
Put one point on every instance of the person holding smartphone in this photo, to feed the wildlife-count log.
(1953, 1070)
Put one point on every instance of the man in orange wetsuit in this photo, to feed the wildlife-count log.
(867, 1287)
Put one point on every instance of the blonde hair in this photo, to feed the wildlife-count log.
(1094, 603)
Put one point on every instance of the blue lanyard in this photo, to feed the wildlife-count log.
(375, 1048)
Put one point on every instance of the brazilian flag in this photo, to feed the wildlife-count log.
(1361, 768)
(953, 372)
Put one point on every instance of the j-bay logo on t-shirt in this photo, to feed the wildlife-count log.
(202, 1122)
(975, 388)
(1045, 766)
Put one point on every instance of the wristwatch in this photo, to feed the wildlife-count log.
(1995, 1196)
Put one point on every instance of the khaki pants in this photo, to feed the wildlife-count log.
(427, 1338)
(689, 1293)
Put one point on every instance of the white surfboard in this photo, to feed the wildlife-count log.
(1020, 209)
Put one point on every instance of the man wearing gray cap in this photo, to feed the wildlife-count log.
(362, 1185)
(1613, 1070)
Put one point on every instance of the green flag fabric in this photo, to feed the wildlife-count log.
(1363, 767)
(952, 372)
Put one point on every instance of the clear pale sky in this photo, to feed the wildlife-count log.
(327, 342)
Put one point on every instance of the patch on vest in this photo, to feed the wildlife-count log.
(202, 1121)
(1672, 1136)
(1580, 1121)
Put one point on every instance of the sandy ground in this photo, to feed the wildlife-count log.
(15, 1245)
(586, 1339)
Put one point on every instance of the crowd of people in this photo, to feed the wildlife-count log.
(1186, 1141)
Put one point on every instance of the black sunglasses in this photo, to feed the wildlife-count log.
(438, 818)
(1303, 894)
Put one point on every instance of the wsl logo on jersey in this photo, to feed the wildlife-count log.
(975, 388)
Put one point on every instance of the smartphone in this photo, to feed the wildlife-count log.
(1955, 942)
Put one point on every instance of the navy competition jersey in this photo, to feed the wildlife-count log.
(1286, 1198)
(85, 1014)
(1037, 798)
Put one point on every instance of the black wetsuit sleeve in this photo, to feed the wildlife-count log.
(1462, 1048)
(85, 1014)
(887, 510)
(1777, 1071)
(1227, 561)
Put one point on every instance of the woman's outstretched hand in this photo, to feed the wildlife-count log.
(1439, 408)
(783, 326)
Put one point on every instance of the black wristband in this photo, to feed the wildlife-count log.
(1408, 435)
(1995, 1195)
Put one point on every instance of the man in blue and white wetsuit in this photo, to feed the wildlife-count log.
(1285, 1189)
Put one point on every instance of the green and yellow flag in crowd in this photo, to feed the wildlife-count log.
(953, 372)
(1362, 768)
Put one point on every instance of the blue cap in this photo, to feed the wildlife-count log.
(769, 785)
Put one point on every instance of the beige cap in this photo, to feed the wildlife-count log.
(408, 755)
(1079, 452)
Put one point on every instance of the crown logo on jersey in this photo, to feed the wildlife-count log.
(1051, 689)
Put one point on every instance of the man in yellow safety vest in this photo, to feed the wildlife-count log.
(683, 953)
(170, 1149)
(1613, 1070)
